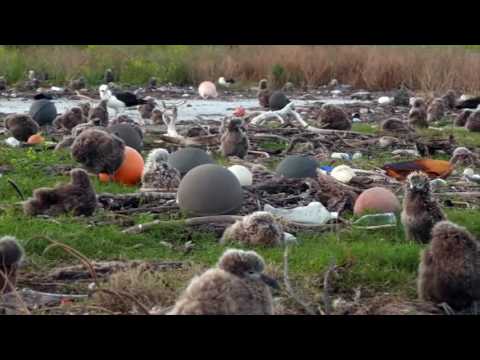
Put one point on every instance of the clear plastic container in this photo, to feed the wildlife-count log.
(313, 213)
(377, 220)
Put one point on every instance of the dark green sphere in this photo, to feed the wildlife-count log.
(187, 158)
(298, 166)
(130, 134)
(43, 111)
(209, 190)
(278, 100)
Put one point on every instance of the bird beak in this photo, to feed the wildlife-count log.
(270, 281)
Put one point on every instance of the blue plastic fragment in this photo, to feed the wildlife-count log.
(326, 168)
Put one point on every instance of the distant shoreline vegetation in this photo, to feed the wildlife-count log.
(424, 68)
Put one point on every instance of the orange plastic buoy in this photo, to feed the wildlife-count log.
(130, 172)
(105, 178)
(378, 200)
(35, 139)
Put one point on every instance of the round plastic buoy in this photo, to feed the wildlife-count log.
(243, 175)
(187, 158)
(377, 200)
(43, 111)
(207, 89)
(343, 173)
(132, 136)
(209, 190)
(130, 172)
(278, 100)
(35, 139)
(298, 166)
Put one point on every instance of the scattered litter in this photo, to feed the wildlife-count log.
(326, 169)
(11, 141)
(343, 173)
(469, 173)
(357, 155)
(313, 213)
(289, 238)
(436, 183)
(341, 156)
(386, 141)
(376, 220)
(405, 152)
(385, 100)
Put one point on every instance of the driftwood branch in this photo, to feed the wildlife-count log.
(208, 140)
(279, 115)
(289, 110)
(30, 299)
(141, 228)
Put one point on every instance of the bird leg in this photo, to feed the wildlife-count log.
(445, 307)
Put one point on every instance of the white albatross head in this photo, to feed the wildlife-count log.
(104, 92)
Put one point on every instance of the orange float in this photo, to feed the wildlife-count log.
(105, 178)
(130, 172)
(35, 139)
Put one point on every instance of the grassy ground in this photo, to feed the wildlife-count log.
(379, 260)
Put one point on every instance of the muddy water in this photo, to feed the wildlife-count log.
(212, 109)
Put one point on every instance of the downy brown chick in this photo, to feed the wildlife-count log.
(259, 228)
(463, 156)
(420, 211)
(77, 197)
(3, 83)
(450, 99)
(417, 117)
(264, 93)
(234, 141)
(78, 84)
(395, 125)
(108, 76)
(11, 256)
(85, 106)
(98, 115)
(462, 117)
(333, 117)
(98, 151)
(449, 268)
(21, 126)
(436, 110)
(158, 174)
(146, 109)
(237, 286)
(473, 121)
(70, 119)
(157, 117)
